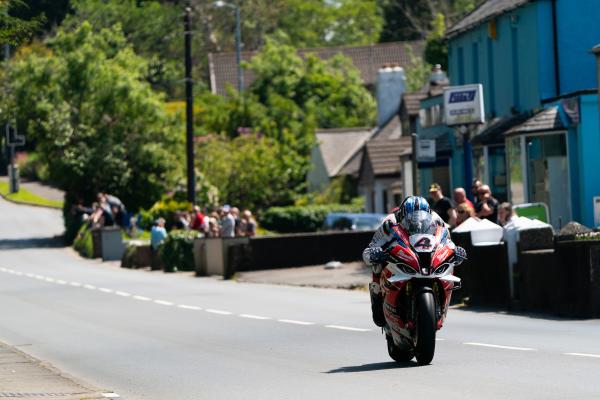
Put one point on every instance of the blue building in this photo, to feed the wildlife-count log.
(535, 63)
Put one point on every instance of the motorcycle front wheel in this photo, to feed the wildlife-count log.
(396, 352)
(426, 328)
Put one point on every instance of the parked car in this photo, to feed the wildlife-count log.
(352, 222)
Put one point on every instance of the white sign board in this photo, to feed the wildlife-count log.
(463, 105)
(425, 150)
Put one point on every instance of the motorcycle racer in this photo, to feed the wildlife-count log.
(409, 216)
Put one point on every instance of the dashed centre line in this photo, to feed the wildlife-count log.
(249, 316)
(294, 322)
(497, 346)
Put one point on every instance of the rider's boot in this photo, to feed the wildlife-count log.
(377, 300)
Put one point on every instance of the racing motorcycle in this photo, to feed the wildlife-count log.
(417, 284)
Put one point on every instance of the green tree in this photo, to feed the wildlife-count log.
(97, 124)
(436, 50)
(14, 30)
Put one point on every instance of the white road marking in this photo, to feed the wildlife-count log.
(496, 346)
(347, 328)
(2, 269)
(76, 284)
(124, 294)
(105, 290)
(142, 298)
(49, 279)
(30, 275)
(18, 273)
(583, 355)
(163, 302)
(40, 277)
(292, 321)
(10, 271)
(250, 316)
(61, 282)
(186, 307)
(209, 310)
(439, 339)
(111, 395)
(91, 287)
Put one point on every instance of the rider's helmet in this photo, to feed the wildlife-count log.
(414, 214)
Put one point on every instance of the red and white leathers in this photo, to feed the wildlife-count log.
(383, 236)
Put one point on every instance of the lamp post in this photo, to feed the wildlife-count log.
(189, 109)
(238, 40)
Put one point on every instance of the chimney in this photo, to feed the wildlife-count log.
(391, 84)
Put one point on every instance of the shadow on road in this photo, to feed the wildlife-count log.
(373, 367)
(31, 243)
(517, 313)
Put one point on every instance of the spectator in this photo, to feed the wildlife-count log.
(460, 196)
(117, 208)
(214, 230)
(464, 211)
(442, 205)
(227, 222)
(487, 206)
(248, 224)
(197, 223)
(158, 234)
(181, 221)
(505, 214)
(235, 212)
(475, 188)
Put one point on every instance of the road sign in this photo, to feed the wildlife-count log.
(425, 150)
(463, 105)
(13, 139)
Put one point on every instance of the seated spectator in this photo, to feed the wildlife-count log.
(464, 211)
(505, 214)
(487, 206)
(248, 224)
(116, 207)
(460, 196)
(158, 234)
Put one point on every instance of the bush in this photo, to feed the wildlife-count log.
(32, 167)
(162, 209)
(84, 242)
(177, 251)
(302, 218)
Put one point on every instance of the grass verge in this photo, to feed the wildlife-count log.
(26, 197)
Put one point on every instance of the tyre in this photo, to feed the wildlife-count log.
(396, 352)
(426, 328)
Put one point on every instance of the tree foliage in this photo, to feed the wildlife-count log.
(414, 19)
(14, 30)
(270, 129)
(97, 124)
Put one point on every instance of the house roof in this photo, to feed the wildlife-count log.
(339, 146)
(486, 11)
(412, 102)
(384, 154)
(391, 130)
(368, 60)
(543, 121)
(494, 132)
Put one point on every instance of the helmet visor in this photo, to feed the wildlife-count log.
(419, 222)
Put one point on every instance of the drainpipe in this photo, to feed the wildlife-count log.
(556, 58)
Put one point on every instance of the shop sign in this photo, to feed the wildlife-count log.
(463, 105)
(426, 150)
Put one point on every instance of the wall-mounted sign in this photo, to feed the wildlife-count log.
(463, 105)
(425, 150)
(597, 211)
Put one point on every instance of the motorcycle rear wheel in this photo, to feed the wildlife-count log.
(396, 353)
(426, 328)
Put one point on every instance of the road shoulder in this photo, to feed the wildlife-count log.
(25, 377)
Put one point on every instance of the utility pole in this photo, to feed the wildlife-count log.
(189, 109)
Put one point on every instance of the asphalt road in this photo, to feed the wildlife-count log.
(157, 336)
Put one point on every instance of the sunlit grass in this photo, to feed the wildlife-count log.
(26, 197)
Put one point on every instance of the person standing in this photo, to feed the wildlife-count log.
(442, 205)
(197, 220)
(460, 196)
(158, 234)
(487, 206)
(227, 223)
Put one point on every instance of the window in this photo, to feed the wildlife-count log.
(515, 173)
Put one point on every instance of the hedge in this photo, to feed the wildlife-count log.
(177, 251)
(302, 218)
(166, 209)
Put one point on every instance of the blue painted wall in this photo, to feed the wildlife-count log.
(578, 31)
(589, 162)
